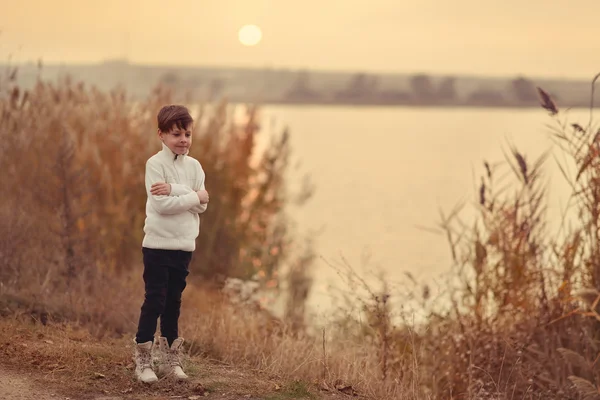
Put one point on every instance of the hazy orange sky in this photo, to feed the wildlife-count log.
(544, 38)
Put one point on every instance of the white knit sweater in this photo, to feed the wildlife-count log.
(173, 222)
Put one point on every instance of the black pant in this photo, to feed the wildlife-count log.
(164, 279)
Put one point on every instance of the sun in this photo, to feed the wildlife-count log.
(250, 35)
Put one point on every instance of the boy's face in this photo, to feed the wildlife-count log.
(177, 140)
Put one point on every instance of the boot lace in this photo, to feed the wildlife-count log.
(144, 360)
(173, 358)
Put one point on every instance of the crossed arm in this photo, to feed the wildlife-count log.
(182, 199)
(178, 189)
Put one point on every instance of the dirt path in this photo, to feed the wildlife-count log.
(15, 386)
(25, 386)
(56, 362)
(19, 385)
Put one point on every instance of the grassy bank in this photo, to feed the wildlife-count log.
(66, 359)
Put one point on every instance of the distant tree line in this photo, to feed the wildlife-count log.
(422, 89)
(363, 88)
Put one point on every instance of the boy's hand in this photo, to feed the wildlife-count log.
(203, 196)
(161, 189)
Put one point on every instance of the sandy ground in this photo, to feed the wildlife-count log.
(15, 386)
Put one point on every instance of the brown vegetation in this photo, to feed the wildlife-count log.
(522, 323)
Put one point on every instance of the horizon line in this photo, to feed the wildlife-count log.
(322, 70)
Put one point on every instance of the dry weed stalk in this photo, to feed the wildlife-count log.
(516, 307)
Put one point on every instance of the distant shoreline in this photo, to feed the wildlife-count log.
(276, 102)
(314, 87)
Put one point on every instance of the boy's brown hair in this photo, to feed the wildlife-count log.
(173, 115)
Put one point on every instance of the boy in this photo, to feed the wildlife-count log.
(176, 197)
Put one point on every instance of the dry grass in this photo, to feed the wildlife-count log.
(69, 360)
(245, 336)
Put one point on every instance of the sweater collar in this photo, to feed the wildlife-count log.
(168, 154)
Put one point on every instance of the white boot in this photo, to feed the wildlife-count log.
(143, 362)
(170, 362)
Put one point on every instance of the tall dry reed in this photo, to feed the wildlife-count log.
(74, 195)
